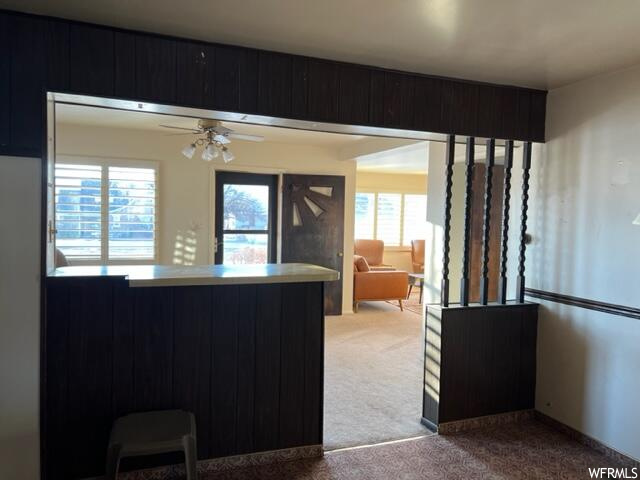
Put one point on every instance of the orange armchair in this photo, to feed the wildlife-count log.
(417, 255)
(372, 251)
(372, 285)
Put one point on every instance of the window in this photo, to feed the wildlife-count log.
(245, 218)
(395, 218)
(106, 212)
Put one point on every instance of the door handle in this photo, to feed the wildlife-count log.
(340, 254)
(52, 231)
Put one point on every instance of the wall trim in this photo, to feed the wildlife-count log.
(612, 308)
(586, 439)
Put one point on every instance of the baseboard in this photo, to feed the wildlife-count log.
(174, 472)
(456, 426)
(586, 439)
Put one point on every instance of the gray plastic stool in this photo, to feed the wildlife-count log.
(150, 433)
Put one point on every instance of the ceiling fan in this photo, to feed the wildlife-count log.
(214, 138)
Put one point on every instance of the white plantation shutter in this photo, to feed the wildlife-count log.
(78, 210)
(106, 212)
(365, 215)
(132, 209)
(389, 218)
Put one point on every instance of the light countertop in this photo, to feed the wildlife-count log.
(178, 275)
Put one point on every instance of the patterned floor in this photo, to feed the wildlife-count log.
(526, 450)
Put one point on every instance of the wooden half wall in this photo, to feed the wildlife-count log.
(479, 360)
(39, 54)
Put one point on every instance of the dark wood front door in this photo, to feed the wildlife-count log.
(313, 227)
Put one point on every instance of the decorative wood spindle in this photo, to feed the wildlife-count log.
(526, 165)
(466, 249)
(486, 224)
(506, 197)
(450, 157)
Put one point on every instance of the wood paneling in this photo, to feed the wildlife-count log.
(227, 73)
(399, 102)
(354, 86)
(92, 60)
(195, 74)
(125, 65)
(5, 82)
(246, 359)
(74, 57)
(155, 67)
(484, 358)
(274, 84)
(27, 85)
(323, 90)
(56, 55)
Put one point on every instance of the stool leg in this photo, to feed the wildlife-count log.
(190, 451)
(113, 462)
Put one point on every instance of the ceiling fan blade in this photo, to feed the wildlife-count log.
(177, 134)
(192, 130)
(219, 129)
(221, 139)
(250, 138)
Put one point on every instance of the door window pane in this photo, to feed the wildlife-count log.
(245, 248)
(389, 217)
(365, 212)
(415, 218)
(246, 207)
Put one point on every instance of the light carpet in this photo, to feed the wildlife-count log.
(373, 376)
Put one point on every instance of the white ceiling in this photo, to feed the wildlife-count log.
(109, 118)
(536, 43)
(409, 159)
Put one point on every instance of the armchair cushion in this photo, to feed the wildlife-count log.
(360, 264)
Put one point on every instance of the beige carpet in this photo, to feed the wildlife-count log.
(373, 376)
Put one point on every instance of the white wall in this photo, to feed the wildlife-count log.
(19, 318)
(186, 202)
(585, 197)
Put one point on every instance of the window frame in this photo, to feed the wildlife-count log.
(105, 163)
(375, 193)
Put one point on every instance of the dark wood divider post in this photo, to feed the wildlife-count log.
(506, 197)
(450, 157)
(486, 224)
(526, 165)
(466, 249)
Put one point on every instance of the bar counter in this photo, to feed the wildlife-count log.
(241, 347)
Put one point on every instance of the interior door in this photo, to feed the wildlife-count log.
(245, 215)
(313, 227)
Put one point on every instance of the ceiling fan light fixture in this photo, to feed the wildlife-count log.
(189, 150)
(227, 156)
(210, 152)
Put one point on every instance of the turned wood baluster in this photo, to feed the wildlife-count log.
(464, 282)
(486, 224)
(450, 156)
(526, 165)
(506, 197)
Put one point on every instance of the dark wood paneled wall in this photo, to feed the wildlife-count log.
(480, 360)
(41, 53)
(246, 359)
